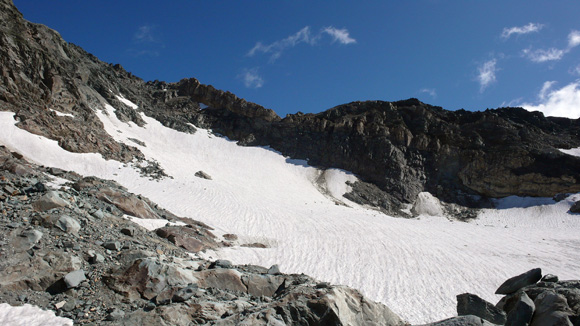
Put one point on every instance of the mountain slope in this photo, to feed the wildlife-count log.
(71, 111)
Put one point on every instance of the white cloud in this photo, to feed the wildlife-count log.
(529, 28)
(545, 88)
(430, 91)
(573, 39)
(486, 74)
(304, 35)
(252, 78)
(276, 48)
(542, 55)
(340, 35)
(553, 54)
(562, 102)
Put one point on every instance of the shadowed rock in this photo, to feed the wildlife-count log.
(517, 282)
(471, 304)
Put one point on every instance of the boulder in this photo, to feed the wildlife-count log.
(575, 208)
(68, 224)
(50, 200)
(26, 240)
(202, 175)
(193, 239)
(515, 283)
(471, 304)
(149, 277)
(74, 278)
(551, 309)
(127, 203)
(262, 285)
(521, 314)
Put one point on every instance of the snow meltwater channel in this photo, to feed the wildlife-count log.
(414, 266)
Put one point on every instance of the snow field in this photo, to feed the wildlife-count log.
(414, 266)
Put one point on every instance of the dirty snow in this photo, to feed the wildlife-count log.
(28, 315)
(414, 266)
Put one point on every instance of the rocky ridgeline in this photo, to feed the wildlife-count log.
(398, 149)
(71, 248)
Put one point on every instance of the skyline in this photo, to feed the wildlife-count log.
(309, 57)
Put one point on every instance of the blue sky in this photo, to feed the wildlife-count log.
(312, 55)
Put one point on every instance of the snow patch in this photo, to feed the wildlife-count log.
(152, 224)
(571, 151)
(28, 315)
(60, 114)
(125, 101)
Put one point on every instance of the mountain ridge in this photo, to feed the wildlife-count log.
(403, 147)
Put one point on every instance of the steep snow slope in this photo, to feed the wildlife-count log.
(415, 266)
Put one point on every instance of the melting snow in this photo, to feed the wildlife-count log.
(414, 266)
(28, 315)
(60, 114)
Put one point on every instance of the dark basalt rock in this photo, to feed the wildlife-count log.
(515, 283)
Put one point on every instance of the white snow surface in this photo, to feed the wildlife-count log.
(28, 315)
(414, 266)
(572, 151)
(60, 114)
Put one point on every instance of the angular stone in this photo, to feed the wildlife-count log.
(27, 239)
(98, 214)
(130, 231)
(127, 203)
(48, 201)
(262, 285)
(551, 309)
(550, 278)
(74, 278)
(68, 224)
(203, 175)
(113, 245)
(274, 270)
(221, 263)
(115, 314)
(471, 304)
(515, 283)
(185, 293)
(522, 313)
(575, 208)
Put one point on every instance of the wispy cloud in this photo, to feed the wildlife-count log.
(486, 74)
(145, 34)
(553, 54)
(575, 70)
(305, 36)
(146, 41)
(340, 35)
(526, 29)
(252, 78)
(431, 91)
(542, 55)
(562, 102)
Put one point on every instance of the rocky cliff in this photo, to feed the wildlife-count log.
(402, 148)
